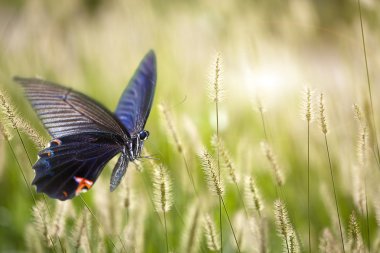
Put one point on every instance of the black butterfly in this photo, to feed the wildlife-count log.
(86, 134)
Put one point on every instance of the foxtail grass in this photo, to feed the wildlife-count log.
(261, 110)
(252, 196)
(360, 194)
(17, 123)
(173, 133)
(308, 116)
(324, 129)
(5, 135)
(193, 224)
(372, 112)
(327, 242)
(216, 93)
(80, 234)
(99, 224)
(220, 148)
(215, 185)
(277, 171)
(162, 195)
(285, 228)
(211, 235)
(355, 241)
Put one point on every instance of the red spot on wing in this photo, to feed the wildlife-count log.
(83, 184)
(55, 142)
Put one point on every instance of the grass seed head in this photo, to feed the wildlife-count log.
(328, 243)
(42, 221)
(355, 240)
(190, 236)
(307, 110)
(285, 228)
(219, 146)
(213, 242)
(162, 189)
(216, 90)
(166, 115)
(214, 182)
(8, 109)
(322, 115)
(273, 162)
(252, 196)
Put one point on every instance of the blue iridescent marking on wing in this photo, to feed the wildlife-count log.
(135, 103)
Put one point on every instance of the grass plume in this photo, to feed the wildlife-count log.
(220, 148)
(215, 94)
(308, 116)
(252, 196)
(211, 235)
(192, 228)
(162, 194)
(267, 150)
(327, 242)
(173, 133)
(215, 185)
(355, 240)
(285, 228)
(209, 167)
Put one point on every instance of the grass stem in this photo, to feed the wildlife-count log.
(335, 197)
(166, 233)
(308, 182)
(229, 221)
(377, 156)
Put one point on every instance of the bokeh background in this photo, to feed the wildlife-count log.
(270, 51)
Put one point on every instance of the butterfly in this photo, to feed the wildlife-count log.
(86, 135)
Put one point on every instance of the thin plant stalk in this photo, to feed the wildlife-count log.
(100, 225)
(377, 158)
(308, 181)
(173, 133)
(369, 86)
(220, 148)
(220, 197)
(367, 219)
(84, 202)
(216, 98)
(335, 197)
(43, 195)
(166, 233)
(362, 163)
(308, 117)
(261, 110)
(229, 221)
(29, 188)
(324, 128)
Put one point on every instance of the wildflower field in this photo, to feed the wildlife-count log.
(264, 130)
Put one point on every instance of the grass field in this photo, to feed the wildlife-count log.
(247, 154)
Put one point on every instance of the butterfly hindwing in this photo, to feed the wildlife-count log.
(66, 112)
(135, 103)
(73, 163)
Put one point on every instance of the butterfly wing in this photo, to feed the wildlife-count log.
(66, 112)
(135, 103)
(73, 163)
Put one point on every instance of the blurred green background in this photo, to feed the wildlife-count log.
(270, 50)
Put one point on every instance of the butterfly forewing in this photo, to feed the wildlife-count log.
(66, 112)
(135, 103)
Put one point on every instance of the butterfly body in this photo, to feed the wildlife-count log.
(86, 135)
